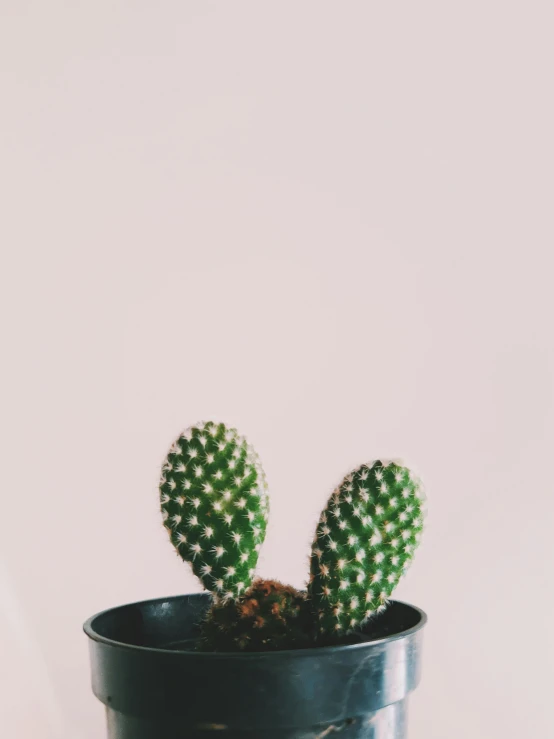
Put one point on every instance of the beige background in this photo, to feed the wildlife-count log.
(327, 223)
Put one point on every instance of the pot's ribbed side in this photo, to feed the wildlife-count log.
(387, 723)
(152, 692)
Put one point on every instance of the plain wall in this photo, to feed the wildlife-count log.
(329, 224)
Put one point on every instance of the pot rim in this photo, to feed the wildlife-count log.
(88, 628)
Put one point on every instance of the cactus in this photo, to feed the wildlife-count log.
(268, 616)
(215, 506)
(365, 540)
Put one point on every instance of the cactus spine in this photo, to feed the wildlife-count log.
(365, 540)
(214, 503)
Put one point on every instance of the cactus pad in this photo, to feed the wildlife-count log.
(214, 503)
(365, 540)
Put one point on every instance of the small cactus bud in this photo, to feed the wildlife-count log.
(269, 616)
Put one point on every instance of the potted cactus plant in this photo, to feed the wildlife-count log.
(257, 658)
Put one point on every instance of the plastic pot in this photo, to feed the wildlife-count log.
(153, 688)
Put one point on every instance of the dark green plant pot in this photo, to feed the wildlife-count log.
(153, 688)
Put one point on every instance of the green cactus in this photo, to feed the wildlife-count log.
(365, 540)
(269, 616)
(215, 506)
